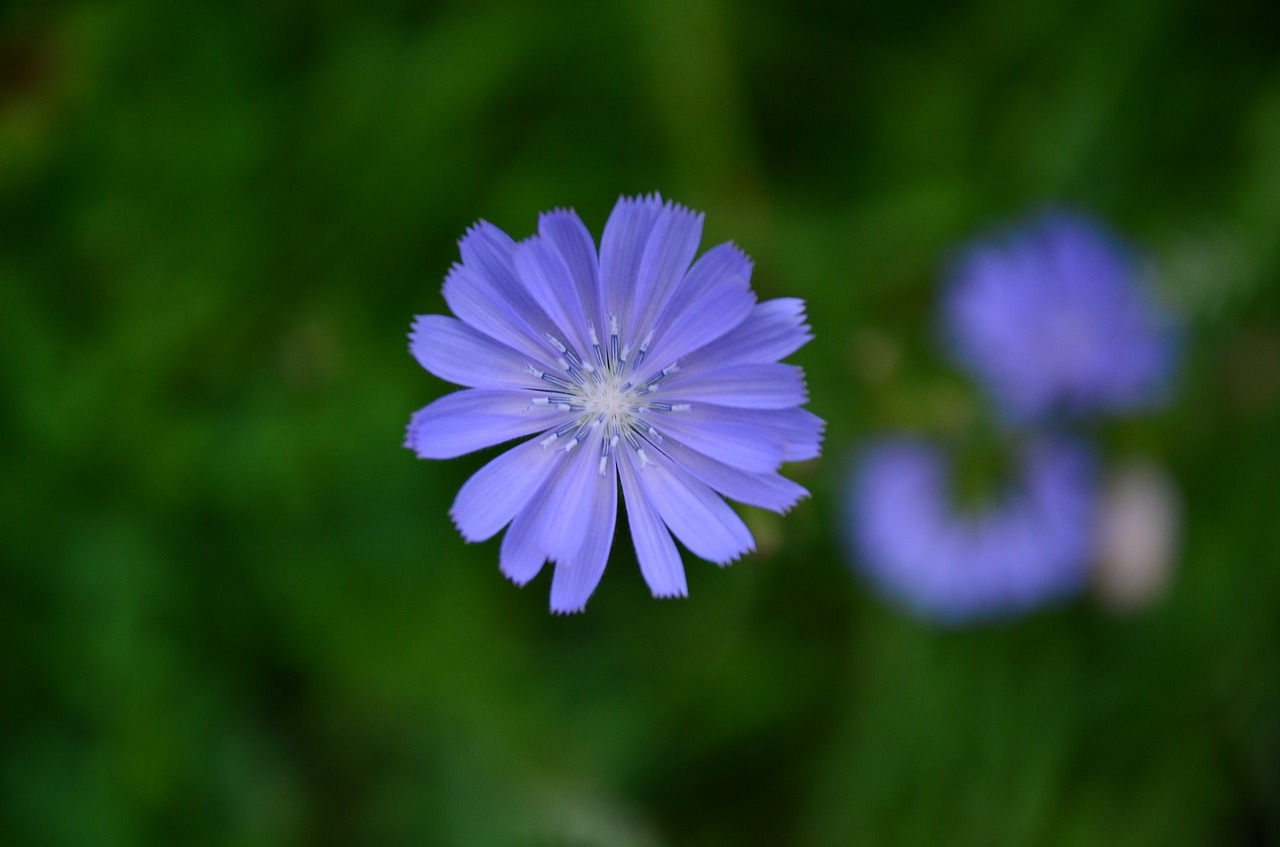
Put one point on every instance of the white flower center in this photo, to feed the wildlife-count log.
(612, 400)
(600, 390)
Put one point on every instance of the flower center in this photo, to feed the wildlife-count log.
(612, 400)
(599, 388)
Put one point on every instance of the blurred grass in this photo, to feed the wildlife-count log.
(237, 611)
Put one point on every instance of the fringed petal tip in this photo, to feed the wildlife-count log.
(734, 246)
(745, 551)
(481, 227)
(457, 524)
(410, 437)
(800, 498)
(655, 201)
(415, 327)
(520, 580)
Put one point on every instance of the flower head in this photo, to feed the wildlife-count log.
(1055, 317)
(632, 364)
(1029, 548)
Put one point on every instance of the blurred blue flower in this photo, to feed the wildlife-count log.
(1055, 316)
(629, 365)
(1028, 548)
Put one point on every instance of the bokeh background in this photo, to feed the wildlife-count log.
(233, 609)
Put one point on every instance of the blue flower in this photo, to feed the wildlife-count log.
(1030, 547)
(627, 365)
(1055, 316)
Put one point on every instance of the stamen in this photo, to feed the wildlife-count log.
(556, 381)
(644, 348)
(595, 343)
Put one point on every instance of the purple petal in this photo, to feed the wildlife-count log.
(659, 559)
(743, 445)
(567, 518)
(475, 418)
(672, 244)
(765, 490)
(489, 252)
(521, 557)
(548, 281)
(488, 256)
(578, 575)
(722, 264)
(457, 353)
(481, 304)
(764, 386)
(693, 512)
(497, 492)
(723, 261)
(801, 431)
(564, 230)
(621, 248)
(774, 330)
(721, 307)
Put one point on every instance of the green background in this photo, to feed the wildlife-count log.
(233, 609)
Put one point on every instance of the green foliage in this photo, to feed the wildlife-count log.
(236, 612)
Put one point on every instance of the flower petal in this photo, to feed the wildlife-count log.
(475, 418)
(765, 490)
(722, 264)
(656, 552)
(621, 248)
(521, 558)
(800, 430)
(693, 512)
(565, 231)
(578, 575)
(481, 304)
(457, 353)
(720, 308)
(567, 515)
(490, 252)
(547, 279)
(672, 244)
(488, 256)
(497, 492)
(748, 446)
(774, 330)
(761, 386)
